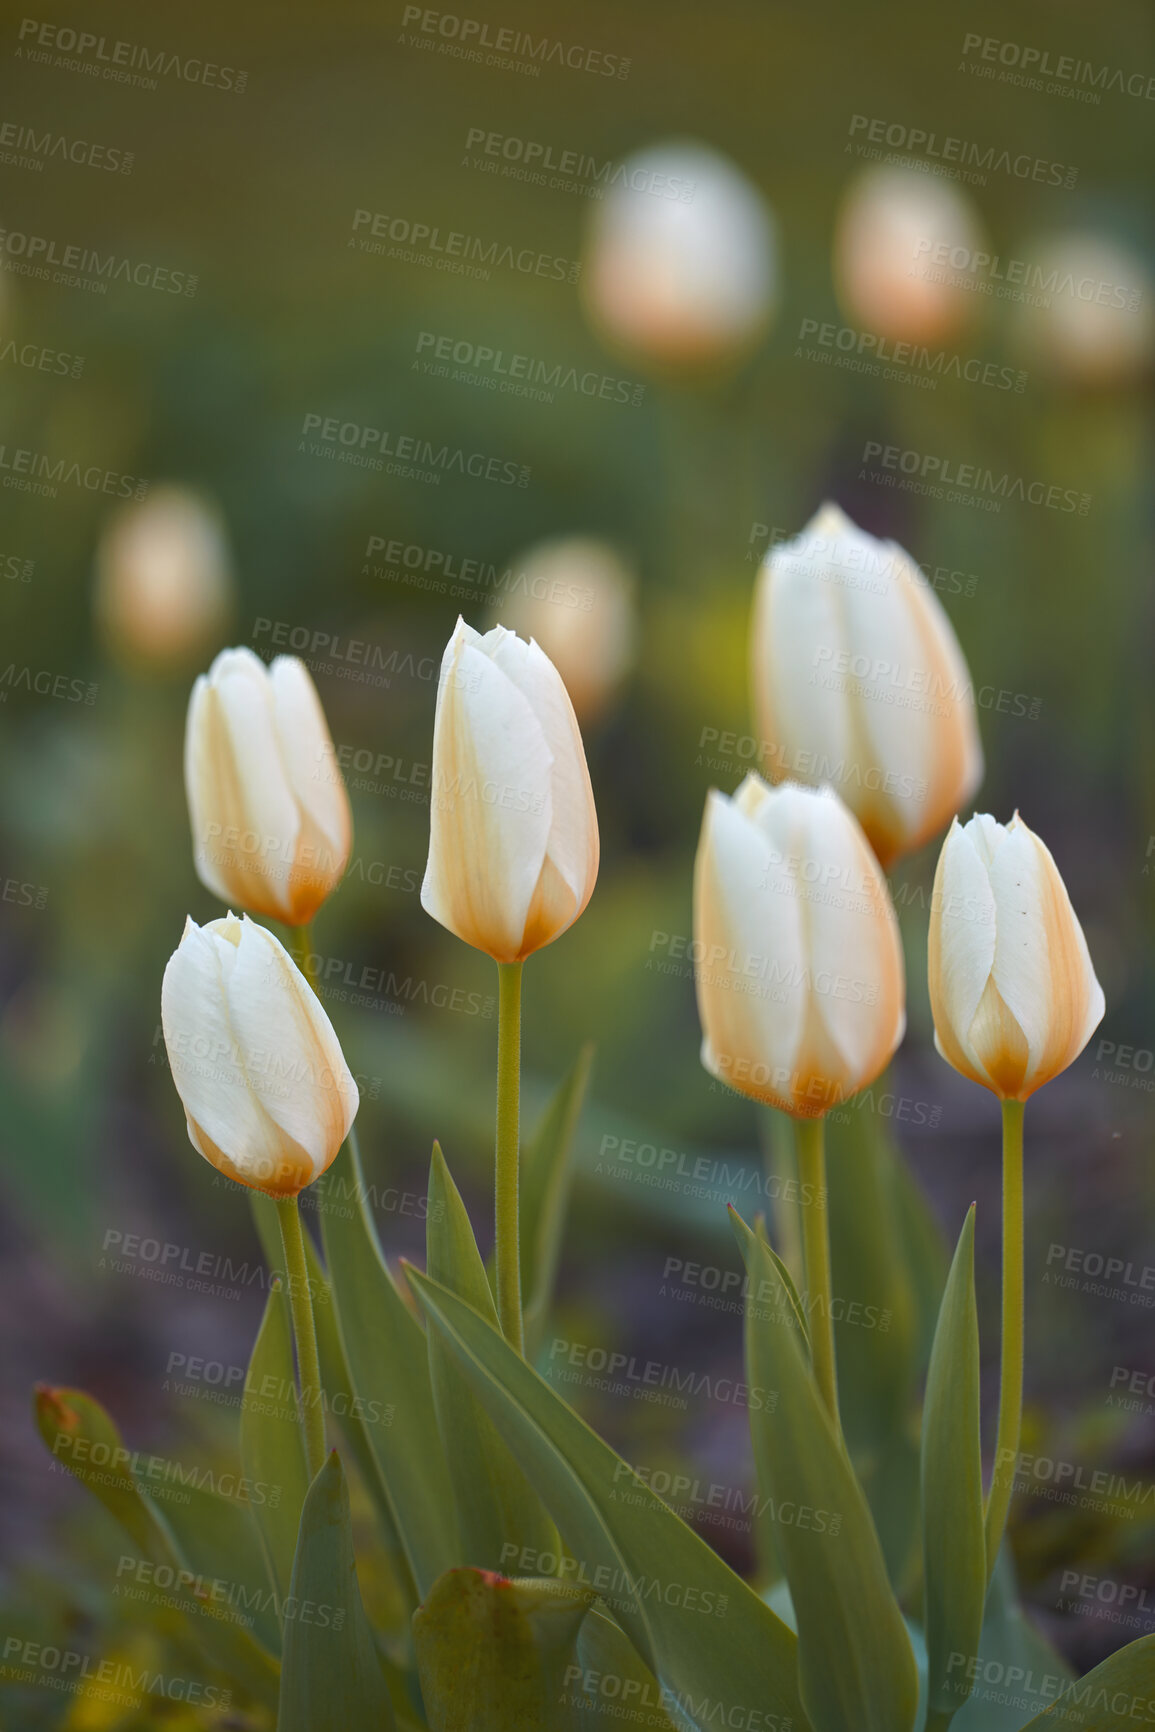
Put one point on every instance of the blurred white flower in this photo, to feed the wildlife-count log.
(895, 235)
(164, 589)
(575, 596)
(680, 268)
(1097, 326)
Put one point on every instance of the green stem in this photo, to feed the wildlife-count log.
(305, 1330)
(506, 1182)
(1011, 1358)
(301, 950)
(810, 1141)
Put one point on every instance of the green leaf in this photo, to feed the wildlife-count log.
(546, 1177)
(716, 1648)
(1115, 1696)
(855, 1665)
(615, 1681)
(496, 1506)
(1010, 1649)
(497, 1655)
(82, 1436)
(219, 1540)
(331, 1680)
(386, 1354)
(272, 1447)
(954, 1546)
(787, 1280)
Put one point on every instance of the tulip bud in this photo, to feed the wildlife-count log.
(681, 266)
(576, 598)
(270, 816)
(895, 229)
(798, 962)
(264, 1084)
(859, 680)
(163, 586)
(513, 844)
(1014, 995)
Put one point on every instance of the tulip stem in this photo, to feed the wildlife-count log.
(301, 949)
(507, 1182)
(1011, 1355)
(810, 1140)
(305, 1331)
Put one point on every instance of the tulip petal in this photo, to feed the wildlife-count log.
(961, 947)
(307, 755)
(244, 817)
(490, 809)
(205, 1056)
(750, 977)
(573, 836)
(293, 1058)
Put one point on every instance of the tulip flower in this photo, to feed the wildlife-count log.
(1015, 1001)
(1012, 988)
(892, 229)
(681, 265)
(513, 857)
(513, 846)
(267, 1094)
(799, 977)
(575, 597)
(858, 679)
(270, 816)
(164, 589)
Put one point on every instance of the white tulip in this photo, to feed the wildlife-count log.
(266, 1091)
(797, 956)
(680, 266)
(1012, 988)
(894, 227)
(513, 845)
(270, 816)
(164, 590)
(858, 680)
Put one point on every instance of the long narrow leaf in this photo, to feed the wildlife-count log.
(546, 1178)
(716, 1648)
(272, 1448)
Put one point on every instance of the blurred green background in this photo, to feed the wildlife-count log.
(254, 194)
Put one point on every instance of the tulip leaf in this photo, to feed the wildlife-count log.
(613, 1677)
(855, 1663)
(496, 1655)
(82, 1436)
(1119, 1693)
(272, 1447)
(954, 1545)
(547, 1168)
(218, 1538)
(1010, 1648)
(498, 1513)
(386, 1355)
(715, 1646)
(331, 1680)
(786, 1278)
(352, 1415)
